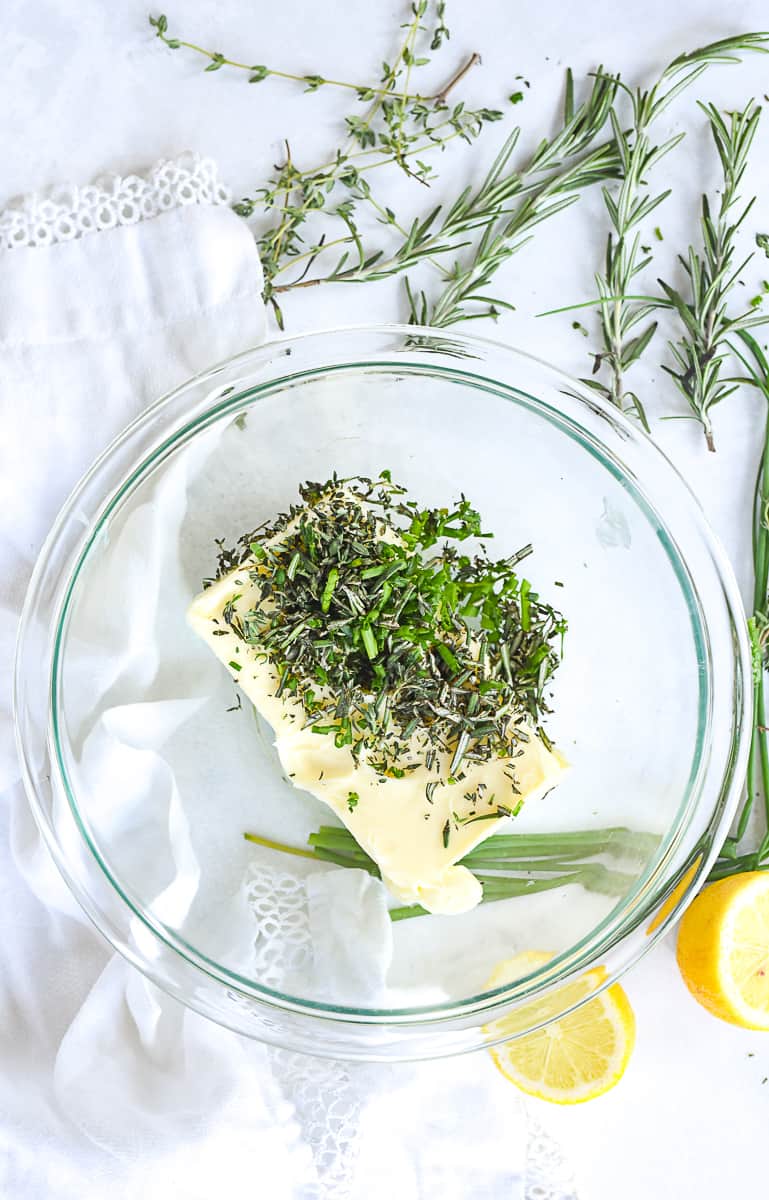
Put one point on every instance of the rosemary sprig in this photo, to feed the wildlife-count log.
(623, 341)
(703, 348)
(391, 639)
(507, 865)
(509, 205)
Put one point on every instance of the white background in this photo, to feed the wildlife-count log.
(85, 88)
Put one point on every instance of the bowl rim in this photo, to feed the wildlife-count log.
(506, 995)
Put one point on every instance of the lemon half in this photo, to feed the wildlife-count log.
(723, 949)
(574, 1058)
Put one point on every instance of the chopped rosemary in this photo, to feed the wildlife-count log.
(392, 639)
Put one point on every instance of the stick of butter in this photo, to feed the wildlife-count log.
(416, 842)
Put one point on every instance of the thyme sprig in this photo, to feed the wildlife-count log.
(258, 72)
(499, 213)
(506, 865)
(712, 274)
(312, 212)
(623, 341)
(385, 632)
(400, 126)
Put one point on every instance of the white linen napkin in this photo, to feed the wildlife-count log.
(110, 296)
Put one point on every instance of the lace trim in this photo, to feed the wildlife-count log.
(547, 1174)
(70, 212)
(327, 1104)
(283, 943)
(326, 1101)
(327, 1096)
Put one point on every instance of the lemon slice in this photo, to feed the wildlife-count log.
(723, 949)
(574, 1058)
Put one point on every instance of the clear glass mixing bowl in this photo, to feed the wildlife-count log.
(143, 783)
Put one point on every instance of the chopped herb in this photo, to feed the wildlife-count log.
(236, 707)
(544, 738)
(236, 666)
(762, 241)
(393, 638)
(515, 97)
(658, 233)
(580, 328)
(492, 816)
(352, 800)
(446, 834)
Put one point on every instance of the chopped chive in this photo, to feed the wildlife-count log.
(328, 591)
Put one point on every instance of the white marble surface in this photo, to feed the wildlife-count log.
(86, 88)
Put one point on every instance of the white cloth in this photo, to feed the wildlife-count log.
(108, 297)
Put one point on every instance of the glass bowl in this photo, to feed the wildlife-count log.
(144, 773)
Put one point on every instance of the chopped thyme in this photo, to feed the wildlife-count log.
(393, 640)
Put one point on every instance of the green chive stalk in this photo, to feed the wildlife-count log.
(506, 865)
(730, 861)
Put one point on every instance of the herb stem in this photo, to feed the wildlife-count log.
(441, 96)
